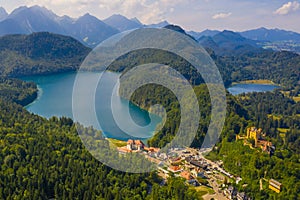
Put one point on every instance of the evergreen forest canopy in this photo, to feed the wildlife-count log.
(45, 158)
(39, 53)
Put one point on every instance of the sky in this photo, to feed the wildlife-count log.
(197, 15)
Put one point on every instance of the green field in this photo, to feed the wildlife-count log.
(117, 143)
(203, 190)
(260, 81)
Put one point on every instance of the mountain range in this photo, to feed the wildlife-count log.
(275, 39)
(90, 30)
(87, 29)
(261, 34)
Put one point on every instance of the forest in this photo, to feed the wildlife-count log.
(39, 53)
(17, 91)
(275, 112)
(45, 159)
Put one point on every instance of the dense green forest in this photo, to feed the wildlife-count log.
(39, 53)
(44, 159)
(17, 91)
(252, 165)
(280, 67)
(236, 119)
(278, 115)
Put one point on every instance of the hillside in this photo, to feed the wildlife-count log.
(236, 62)
(228, 43)
(45, 159)
(17, 91)
(271, 35)
(39, 53)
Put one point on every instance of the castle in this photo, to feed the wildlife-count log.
(257, 135)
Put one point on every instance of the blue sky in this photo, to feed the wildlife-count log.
(190, 14)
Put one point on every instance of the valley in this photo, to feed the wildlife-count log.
(42, 153)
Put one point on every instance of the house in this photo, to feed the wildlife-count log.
(174, 169)
(275, 185)
(135, 145)
(186, 175)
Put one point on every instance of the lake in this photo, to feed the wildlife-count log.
(251, 87)
(55, 99)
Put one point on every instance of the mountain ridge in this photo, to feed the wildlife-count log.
(39, 53)
(3, 13)
(122, 23)
(228, 42)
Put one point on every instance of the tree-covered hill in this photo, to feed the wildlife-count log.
(39, 53)
(282, 68)
(45, 159)
(17, 91)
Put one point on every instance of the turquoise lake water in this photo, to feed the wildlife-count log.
(247, 88)
(55, 99)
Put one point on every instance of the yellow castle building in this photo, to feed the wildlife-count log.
(257, 135)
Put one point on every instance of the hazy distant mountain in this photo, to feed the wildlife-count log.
(137, 21)
(88, 29)
(28, 20)
(158, 25)
(122, 23)
(3, 14)
(207, 41)
(206, 32)
(228, 42)
(272, 35)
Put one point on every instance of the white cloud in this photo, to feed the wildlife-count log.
(221, 15)
(287, 8)
(147, 11)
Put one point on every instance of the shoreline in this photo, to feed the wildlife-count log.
(39, 94)
(258, 82)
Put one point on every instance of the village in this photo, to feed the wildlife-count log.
(199, 172)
